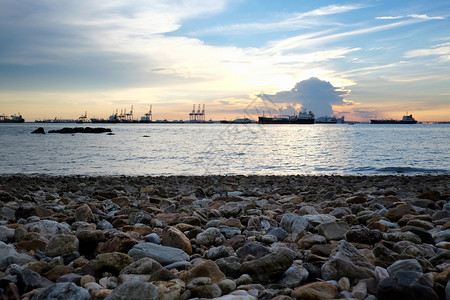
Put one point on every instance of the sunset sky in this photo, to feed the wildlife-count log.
(361, 59)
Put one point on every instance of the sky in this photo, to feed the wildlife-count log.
(358, 59)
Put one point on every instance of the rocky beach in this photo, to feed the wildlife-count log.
(225, 237)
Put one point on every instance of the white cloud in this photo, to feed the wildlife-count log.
(294, 22)
(441, 50)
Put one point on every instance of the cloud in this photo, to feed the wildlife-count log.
(412, 16)
(293, 22)
(312, 94)
(441, 50)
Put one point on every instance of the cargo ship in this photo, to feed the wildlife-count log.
(407, 119)
(12, 119)
(302, 118)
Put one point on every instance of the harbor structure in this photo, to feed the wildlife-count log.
(197, 116)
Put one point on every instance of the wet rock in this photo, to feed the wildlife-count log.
(218, 252)
(346, 261)
(231, 266)
(294, 276)
(134, 290)
(27, 280)
(111, 262)
(252, 250)
(48, 227)
(144, 265)
(209, 237)
(162, 254)
(270, 266)
(205, 268)
(173, 237)
(294, 224)
(363, 235)
(405, 286)
(333, 230)
(315, 291)
(62, 244)
(39, 130)
(84, 213)
(62, 291)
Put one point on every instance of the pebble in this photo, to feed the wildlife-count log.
(225, 237)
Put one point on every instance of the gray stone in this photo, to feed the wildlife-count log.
(294, 276)
(318, 219)
(162, 254)
(227, 286)
(209, 237)
(144, 265)
(404, 265)
(269, 267)
(279, 232)
(346, 261)
(333, 230)
(218, 252)
(269, 239)
(294, 224)
(28, 280)
(229, 232)
(153, 238)
(231, 210)
(62, 244)
(231, 266)
(62, 291)
(6, 234)
(134, 290)
(103, 224)
(442, 236)
(48, 227)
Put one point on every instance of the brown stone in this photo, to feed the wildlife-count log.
(122, 201)
(34, 244)
(206, 268)
(315, 291)
(173, 237)
(121, 242)
(84, 213)
(396, 213)
(58, 271)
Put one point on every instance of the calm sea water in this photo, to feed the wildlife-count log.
(227, 149)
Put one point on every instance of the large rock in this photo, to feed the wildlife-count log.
(62, 291)
(111, 262)
(411, 265)
(144, 265)
(363, 235)
(346, 261)
(84, 213)
(315, 291)
(173, 237)
(62, 244)
(406, 285)
(48, 227)
(27, 280)
(294, 276)
(333, 230)
(210, 237)
(206, 268)
(294, 224)
(269, 267)
(162, 254)
(134, 290)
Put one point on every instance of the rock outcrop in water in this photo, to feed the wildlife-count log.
(67, 130)
(225, 237)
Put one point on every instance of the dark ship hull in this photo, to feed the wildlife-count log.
(265, 120)
(392, 122)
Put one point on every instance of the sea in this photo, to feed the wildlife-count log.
(226, 149)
